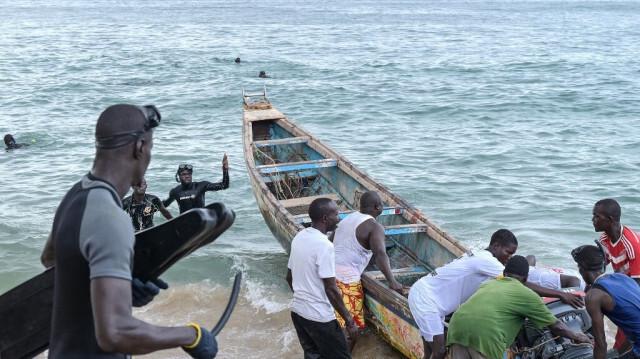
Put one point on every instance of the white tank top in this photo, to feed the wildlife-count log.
(351, 257)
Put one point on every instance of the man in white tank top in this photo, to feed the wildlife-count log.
(357, 238)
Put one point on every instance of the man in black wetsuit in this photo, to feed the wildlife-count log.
(11, 144)
(191, 194)
(141, 207)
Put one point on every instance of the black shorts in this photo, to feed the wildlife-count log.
(320, 340)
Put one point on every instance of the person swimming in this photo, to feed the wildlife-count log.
(11, 144)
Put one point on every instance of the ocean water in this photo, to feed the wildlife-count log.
(483, 114)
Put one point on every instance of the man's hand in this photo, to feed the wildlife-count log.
(205, 346)
(573, 300)
(351, 330)
(583, 338)
(396, 286)
(225, 163)
(143, 293)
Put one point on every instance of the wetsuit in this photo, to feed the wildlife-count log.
(141, 212)
(92, 238)
(192, 195)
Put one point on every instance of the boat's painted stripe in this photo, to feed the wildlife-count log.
(392, 231)
(285, 167)
(392, 309)
(388, 211)
(283, 141)
(401, 272)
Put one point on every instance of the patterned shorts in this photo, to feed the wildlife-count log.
(353, 298)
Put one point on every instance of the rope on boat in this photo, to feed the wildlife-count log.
(286, 186)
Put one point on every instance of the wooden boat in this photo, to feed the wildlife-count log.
(289, 168)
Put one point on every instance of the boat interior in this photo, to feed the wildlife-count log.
(296, 172)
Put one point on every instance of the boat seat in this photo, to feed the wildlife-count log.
(386, 211)
(281, 141)
(401, 272)
(297, 166)
(262, 115)
(298, 206)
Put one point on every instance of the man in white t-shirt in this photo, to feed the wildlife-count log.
(554, 278)
(441, 292)
(311, 276)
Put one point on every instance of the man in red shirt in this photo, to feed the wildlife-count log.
(621, 245)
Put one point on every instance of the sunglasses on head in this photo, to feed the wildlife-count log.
(152, 117)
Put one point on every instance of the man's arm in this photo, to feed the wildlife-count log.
(379, 249)
(169, 200)
(165, 213)
(162, 208)
(569, 281)
(117, 330)
(574, 300)
(594, 303)
(225, 177)
(560, 329)
(335, 297)
(48, 256)
(290, 278)
(217, 186)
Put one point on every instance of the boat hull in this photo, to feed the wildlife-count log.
(288, 167)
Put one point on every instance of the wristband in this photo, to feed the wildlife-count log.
(197, 339)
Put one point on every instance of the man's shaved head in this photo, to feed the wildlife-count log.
(370, 199)
(119, 118)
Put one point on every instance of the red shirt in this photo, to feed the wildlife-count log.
(623, 254)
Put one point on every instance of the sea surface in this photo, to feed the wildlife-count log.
(483, 114)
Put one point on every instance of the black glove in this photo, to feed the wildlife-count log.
(205, 347)
(143, 293)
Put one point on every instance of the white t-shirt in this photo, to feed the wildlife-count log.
(311, 260)
(449, 286)
(549, 277)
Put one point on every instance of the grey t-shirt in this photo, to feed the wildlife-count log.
(93, 237)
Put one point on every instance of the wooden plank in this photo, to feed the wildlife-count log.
(302, 201)
(387, 211)
(401, 272)
(262, 115)
(282, 141)
(405, 229)
(296, 166)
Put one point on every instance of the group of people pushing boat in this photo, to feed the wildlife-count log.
(490, 292)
